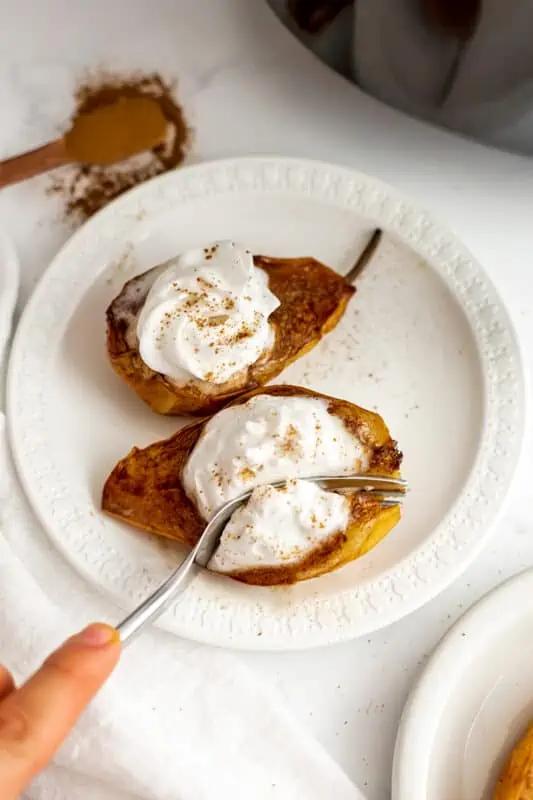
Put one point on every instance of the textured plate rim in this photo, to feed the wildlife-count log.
(448, 550)
(424, 707)
(9, 286)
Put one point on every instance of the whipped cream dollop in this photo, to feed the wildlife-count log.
(280, 526)
(266, 439)
(206, 317)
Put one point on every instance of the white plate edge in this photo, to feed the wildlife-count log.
(420, 717)
(444, 580)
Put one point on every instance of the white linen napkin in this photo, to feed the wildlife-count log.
(177, 720)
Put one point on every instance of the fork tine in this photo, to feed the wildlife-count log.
(380, 492)
(389, 500)
(365, 482)
(392, 498)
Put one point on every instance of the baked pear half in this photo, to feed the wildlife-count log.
(172, 487)
(516, 781)
(312, 299)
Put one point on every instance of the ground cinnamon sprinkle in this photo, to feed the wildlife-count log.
(87, 188)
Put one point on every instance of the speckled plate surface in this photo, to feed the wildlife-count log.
(426, 342)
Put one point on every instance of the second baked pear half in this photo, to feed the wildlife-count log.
(218, 321)
(281, 535)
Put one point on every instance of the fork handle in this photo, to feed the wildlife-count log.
(154, 605)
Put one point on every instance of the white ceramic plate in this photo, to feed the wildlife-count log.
(9, 285)
(426, 341)
(473, 702)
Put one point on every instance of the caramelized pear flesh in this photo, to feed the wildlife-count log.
(312, 298)
(516, 781)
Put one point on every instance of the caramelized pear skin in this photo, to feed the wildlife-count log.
(145, 490)
(313, 298)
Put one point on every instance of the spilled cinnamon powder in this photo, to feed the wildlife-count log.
(84, 188)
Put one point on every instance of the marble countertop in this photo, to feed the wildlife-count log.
(249, 87)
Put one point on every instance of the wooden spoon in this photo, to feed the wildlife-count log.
(102, 136)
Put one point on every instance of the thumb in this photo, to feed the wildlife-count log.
(35, 719)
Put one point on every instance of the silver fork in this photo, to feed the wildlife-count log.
(389, 491)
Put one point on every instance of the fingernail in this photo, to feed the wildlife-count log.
(98, 635)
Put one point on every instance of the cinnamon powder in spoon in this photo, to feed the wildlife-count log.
(114, 132)
(116, 117)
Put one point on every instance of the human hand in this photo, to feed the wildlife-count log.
(36, 718)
